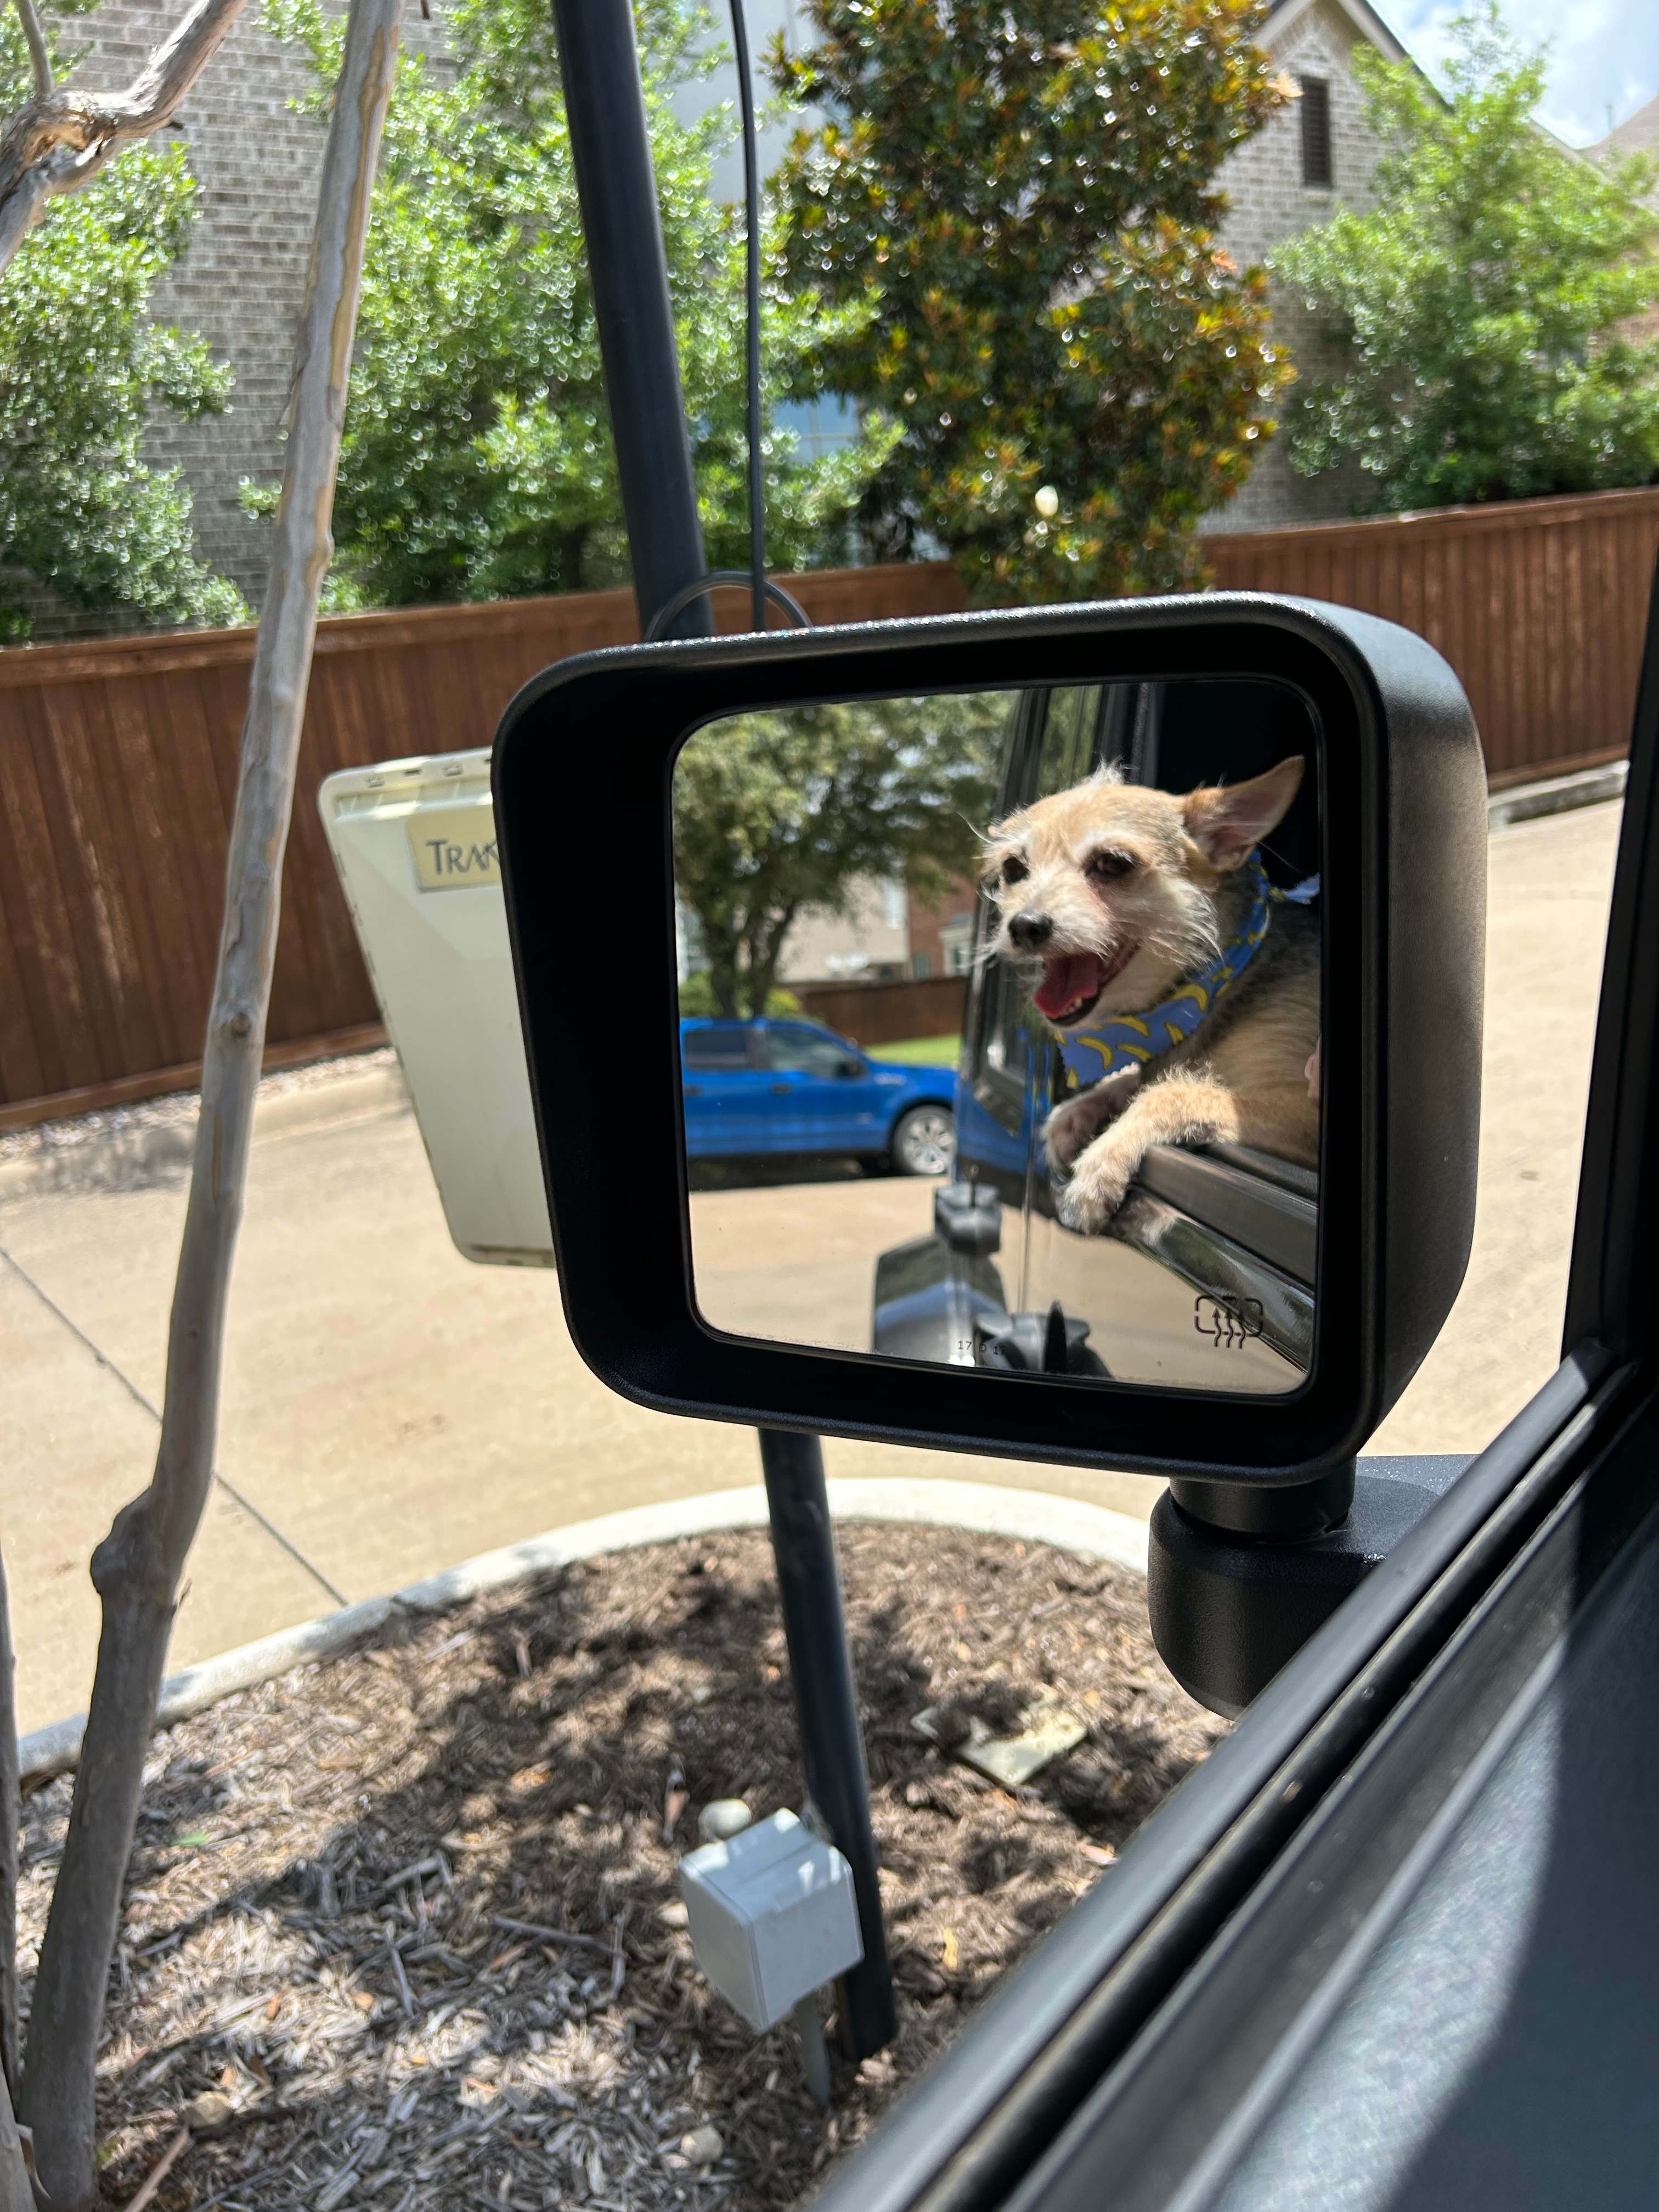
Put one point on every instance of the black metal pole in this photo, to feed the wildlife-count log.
(832, 1743)
(610, 150)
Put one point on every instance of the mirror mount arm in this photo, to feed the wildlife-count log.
(1240, 1575)
(1257, 1513)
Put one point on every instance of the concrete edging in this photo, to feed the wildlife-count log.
(1557, 794)
(981, 1508)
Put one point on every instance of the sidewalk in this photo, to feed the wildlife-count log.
(390, 1408)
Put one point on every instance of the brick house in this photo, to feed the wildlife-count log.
(1313, 157)
(259, 162)
(240, 285)
(942, 936)
(1636, 134)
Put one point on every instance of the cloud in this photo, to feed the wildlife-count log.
(1604, 54)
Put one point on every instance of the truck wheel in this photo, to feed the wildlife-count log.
(925, 1141)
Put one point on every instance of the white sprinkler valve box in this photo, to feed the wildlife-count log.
(772, 1916)
(414, 843)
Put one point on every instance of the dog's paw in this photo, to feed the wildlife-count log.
(1098, 1186)
(1077, 1122)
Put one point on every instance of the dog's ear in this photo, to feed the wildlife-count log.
(1227, 822)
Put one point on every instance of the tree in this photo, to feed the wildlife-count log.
(477, 461)
(776, 812)
(73, 361)
(138, 1567)
(1020, 196)
(1479, 305)
(80, 361)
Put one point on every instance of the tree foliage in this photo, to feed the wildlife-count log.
(1479, 303)
(80, 364)
(774, 813)
(477, 461)
(1020, 195)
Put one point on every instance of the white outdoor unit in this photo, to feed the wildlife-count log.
(772, 1917)
(414, 843)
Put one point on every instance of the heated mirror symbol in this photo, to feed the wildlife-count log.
(999, 1023)
(1229, 1323)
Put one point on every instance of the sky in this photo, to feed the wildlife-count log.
(1603, 53)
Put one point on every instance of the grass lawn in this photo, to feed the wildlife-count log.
(925, 1052)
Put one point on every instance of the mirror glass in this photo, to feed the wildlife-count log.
(1000, 1029)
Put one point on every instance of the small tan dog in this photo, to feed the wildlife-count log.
(1122, 893)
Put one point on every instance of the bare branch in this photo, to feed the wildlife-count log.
(38, 56)
(15, 2195)
(59, 140)
(9, 1823)
(137, 1568)
(159, 89)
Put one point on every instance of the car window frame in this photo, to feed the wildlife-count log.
(843, 1049)
(1063, 2028)
(725, 1067)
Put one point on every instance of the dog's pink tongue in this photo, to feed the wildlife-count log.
(1072, 981)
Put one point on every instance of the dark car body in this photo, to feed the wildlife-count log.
(1394, 1944)
(796, 1087)
(1207, 1273)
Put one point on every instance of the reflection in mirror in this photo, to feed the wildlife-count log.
(1000, 1029)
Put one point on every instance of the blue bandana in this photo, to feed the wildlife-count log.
(1119, 1041)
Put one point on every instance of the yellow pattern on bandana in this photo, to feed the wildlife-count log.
(1120, 1040)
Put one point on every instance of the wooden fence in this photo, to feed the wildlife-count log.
(1540, 606)
(118, 758)
(882, 1013)
(118, 772)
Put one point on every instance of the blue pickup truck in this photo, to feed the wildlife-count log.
(794, 1086)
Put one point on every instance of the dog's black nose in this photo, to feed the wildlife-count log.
(1028, 931)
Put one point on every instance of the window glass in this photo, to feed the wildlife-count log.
(722, 1044)
(1316, 108)
(807, 1051)
(1069, 738)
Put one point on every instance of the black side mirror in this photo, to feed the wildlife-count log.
(851, 1066)
(1253, 1291)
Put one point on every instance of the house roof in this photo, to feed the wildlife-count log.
(1636, 134)
(1365, 20)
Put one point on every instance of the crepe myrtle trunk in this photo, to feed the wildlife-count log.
(9, 1818)
(137, 1569)
(15, 2195)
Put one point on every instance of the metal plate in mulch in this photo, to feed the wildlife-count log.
(403, 1930)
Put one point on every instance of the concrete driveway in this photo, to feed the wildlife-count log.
(391, 1408)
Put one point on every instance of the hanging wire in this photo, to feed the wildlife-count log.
(761, 588)
(719, 580)
(751, 210)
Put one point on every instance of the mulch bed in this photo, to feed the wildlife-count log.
(403, 1929)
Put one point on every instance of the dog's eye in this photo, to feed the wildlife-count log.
(1107, 867)
(1013, 871)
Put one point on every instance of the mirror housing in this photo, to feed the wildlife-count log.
(582, 774)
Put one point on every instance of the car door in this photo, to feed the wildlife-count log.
(724, 1089)
(1393, 1945)
(824, 1095)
